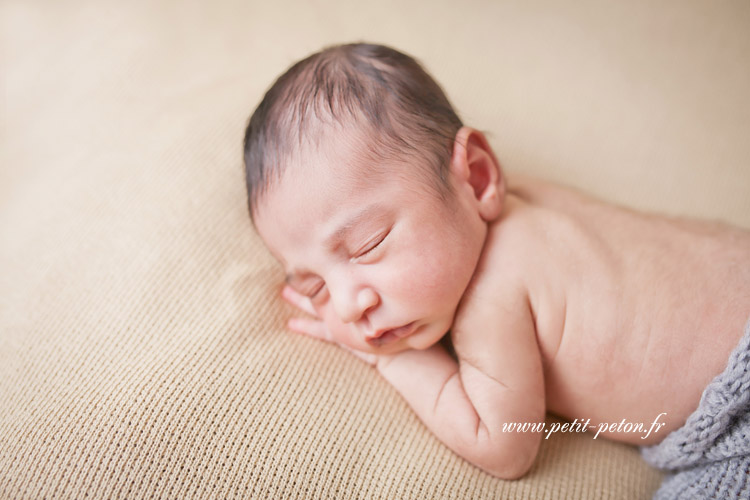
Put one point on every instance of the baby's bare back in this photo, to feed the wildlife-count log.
(634, 313)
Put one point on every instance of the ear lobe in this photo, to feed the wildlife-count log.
(476, 167)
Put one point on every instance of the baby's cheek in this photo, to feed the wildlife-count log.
(432, 277)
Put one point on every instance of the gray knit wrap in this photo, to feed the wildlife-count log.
(709, 457)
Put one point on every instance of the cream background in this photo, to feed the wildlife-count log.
(142, 349)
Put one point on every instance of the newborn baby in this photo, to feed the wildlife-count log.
(396, 224)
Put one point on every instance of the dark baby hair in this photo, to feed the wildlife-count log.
(377, 88)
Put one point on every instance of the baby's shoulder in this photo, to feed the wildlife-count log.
(513, 255)
(520, 240)
(511, 243)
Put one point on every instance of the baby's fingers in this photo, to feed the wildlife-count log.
(298, 300)
(310, 327)
(317, 329)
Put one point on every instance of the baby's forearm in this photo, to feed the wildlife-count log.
(465, 409)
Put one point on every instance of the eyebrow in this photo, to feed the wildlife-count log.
(339, 235)
(343, 231)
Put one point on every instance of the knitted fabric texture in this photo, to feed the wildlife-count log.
(709, 457)
(143, 349)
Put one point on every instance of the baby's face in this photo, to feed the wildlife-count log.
(383, 260)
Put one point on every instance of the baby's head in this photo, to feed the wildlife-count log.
(368, 189)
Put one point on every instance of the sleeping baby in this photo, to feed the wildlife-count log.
(396, 227)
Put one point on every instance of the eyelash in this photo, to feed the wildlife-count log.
(316, 291)
(370, 248)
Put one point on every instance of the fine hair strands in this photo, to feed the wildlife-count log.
(395, 105)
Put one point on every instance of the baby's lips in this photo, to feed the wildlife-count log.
(374, 341)
(382, 337)
(399, 332)
(404, 330)
(376, 338)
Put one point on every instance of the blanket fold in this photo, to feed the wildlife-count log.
(709, 457)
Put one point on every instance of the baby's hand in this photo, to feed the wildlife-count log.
(316, 327)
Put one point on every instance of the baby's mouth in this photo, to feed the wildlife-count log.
(387, 336)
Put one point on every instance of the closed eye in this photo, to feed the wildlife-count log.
(308, 287)
(315, 290)
(372, 245)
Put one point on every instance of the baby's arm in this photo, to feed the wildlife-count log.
(498, 379)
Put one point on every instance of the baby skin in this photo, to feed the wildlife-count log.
(554, 301)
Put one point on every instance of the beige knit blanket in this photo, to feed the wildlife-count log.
(142, 344)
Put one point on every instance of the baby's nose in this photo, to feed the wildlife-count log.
(354, 306)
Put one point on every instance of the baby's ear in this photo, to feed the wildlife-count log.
(477, 170)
